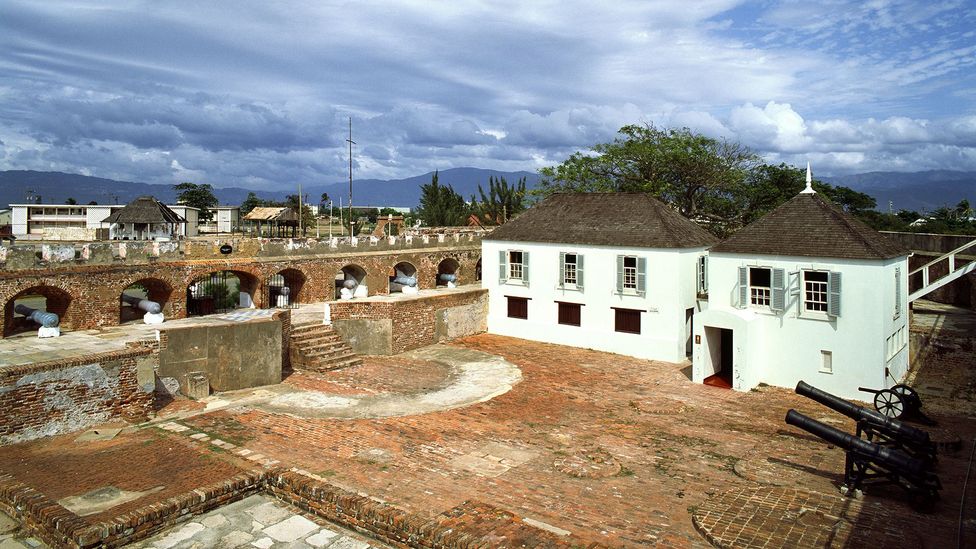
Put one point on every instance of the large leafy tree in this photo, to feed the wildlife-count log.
(440, 205)
(198, 196)
(252, 201)
(502, 201)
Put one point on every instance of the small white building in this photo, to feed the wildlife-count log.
(226, 219)
(615, 272)
(145, 218)
(808, 293)
(78, 221)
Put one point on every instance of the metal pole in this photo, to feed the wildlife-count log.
(352, 223)
(330, 219)
(300, 216)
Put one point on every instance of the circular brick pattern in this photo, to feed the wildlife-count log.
(789, 517)
(589, 463)
(659, 406)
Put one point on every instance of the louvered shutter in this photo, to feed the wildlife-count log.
(778, 290)
(897, 292)
(525, 268)
(641, 275)
(562, 269)
(743, 287)
(833, 293)
(620, 274)
(502, 266)
(702, 274)
(579, 272)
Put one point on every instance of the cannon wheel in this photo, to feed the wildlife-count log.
(908, 395)
(889, 403)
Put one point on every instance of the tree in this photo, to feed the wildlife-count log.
(441, 206)
(71, 201)
(308, 218)
(324, 198)
(197, 196)
(694, 173)
(252, 201)
(93, 203)
(503, 202)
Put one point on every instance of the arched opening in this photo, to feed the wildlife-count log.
(39, 298)
(350, 278)
(151, 289)
(404, 278)
(477, 270)
(447, 272)
(219, 292)
(285, 289)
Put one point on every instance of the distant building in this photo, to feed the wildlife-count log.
(609, 271)
(226, 219)
(145, 218)
(807, 292)
(78, 222)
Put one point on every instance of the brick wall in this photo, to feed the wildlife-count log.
(414, 319)
(61, 396)
(93, 290)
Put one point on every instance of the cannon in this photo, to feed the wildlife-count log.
(143, 304)
(404, 280)
(876, 427)
(44, 318)
(898, 402)
(868, 462)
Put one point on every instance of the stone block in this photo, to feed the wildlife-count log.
(196, 385)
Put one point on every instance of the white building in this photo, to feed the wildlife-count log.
(77, 222)
(146, 218)
(615, 272)
(808, 293)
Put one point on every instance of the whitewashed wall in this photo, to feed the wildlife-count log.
(782, 348)
(671, 289)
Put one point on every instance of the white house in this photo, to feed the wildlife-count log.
(145, 218)
(78, 221)
(609, 271)
(809, 293)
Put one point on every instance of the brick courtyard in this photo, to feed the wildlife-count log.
(614, 450)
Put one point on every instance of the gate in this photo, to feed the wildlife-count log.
(218, 293)
(280, 294)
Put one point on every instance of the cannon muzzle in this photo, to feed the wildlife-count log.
(142, 304)
(860, 413)
(889, 458)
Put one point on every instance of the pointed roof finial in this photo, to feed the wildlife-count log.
(809, 189)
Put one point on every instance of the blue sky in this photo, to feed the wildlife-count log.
(258, 94)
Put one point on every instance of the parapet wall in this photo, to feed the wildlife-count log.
(62, 396)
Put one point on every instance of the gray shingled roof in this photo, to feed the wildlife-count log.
(604, 219)
(808, 225)
(144, 209)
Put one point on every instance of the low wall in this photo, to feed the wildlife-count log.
(234, 355)
(61, 396)
(392, 325)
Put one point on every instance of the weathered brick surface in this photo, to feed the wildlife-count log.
(87, 295)
(60, 396)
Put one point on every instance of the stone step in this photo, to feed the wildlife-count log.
(318, 340)
(334, 364)
(310, 350)
(324, 331)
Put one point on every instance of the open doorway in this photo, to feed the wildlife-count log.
(720, 349)
(689, 330)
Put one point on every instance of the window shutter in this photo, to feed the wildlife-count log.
(833, 293)
(702, 280)
(641, 275)
(620, 274)
(898, 297)
(579, 272)
(525, 268)
(562, 269)
(502, 266)
(743, 287)
(778, 291)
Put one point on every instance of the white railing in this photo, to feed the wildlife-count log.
(929, 285)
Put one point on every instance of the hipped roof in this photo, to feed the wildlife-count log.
(604, 219)
(144, 209)
(809, 225)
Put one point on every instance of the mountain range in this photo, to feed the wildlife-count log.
(920, 191)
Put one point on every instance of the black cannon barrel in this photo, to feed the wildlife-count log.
(860, 413)
(891, 458)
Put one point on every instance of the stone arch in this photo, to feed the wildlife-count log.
(350, 271)
(153, 289)
(448, 271)
(402, 271)
(291, 279)
(219, 291)
(51, 299)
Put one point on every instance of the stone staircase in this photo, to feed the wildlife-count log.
(318, 348)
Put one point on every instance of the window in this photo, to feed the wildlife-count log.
(897, 293)
(759, 286)
(895, 343)
(702, 277)
(518, 307)
(515, 265)
(631, 275)
(815, 291)
(569, 313)
(627, 321)
(569, 269)
(826, 362)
